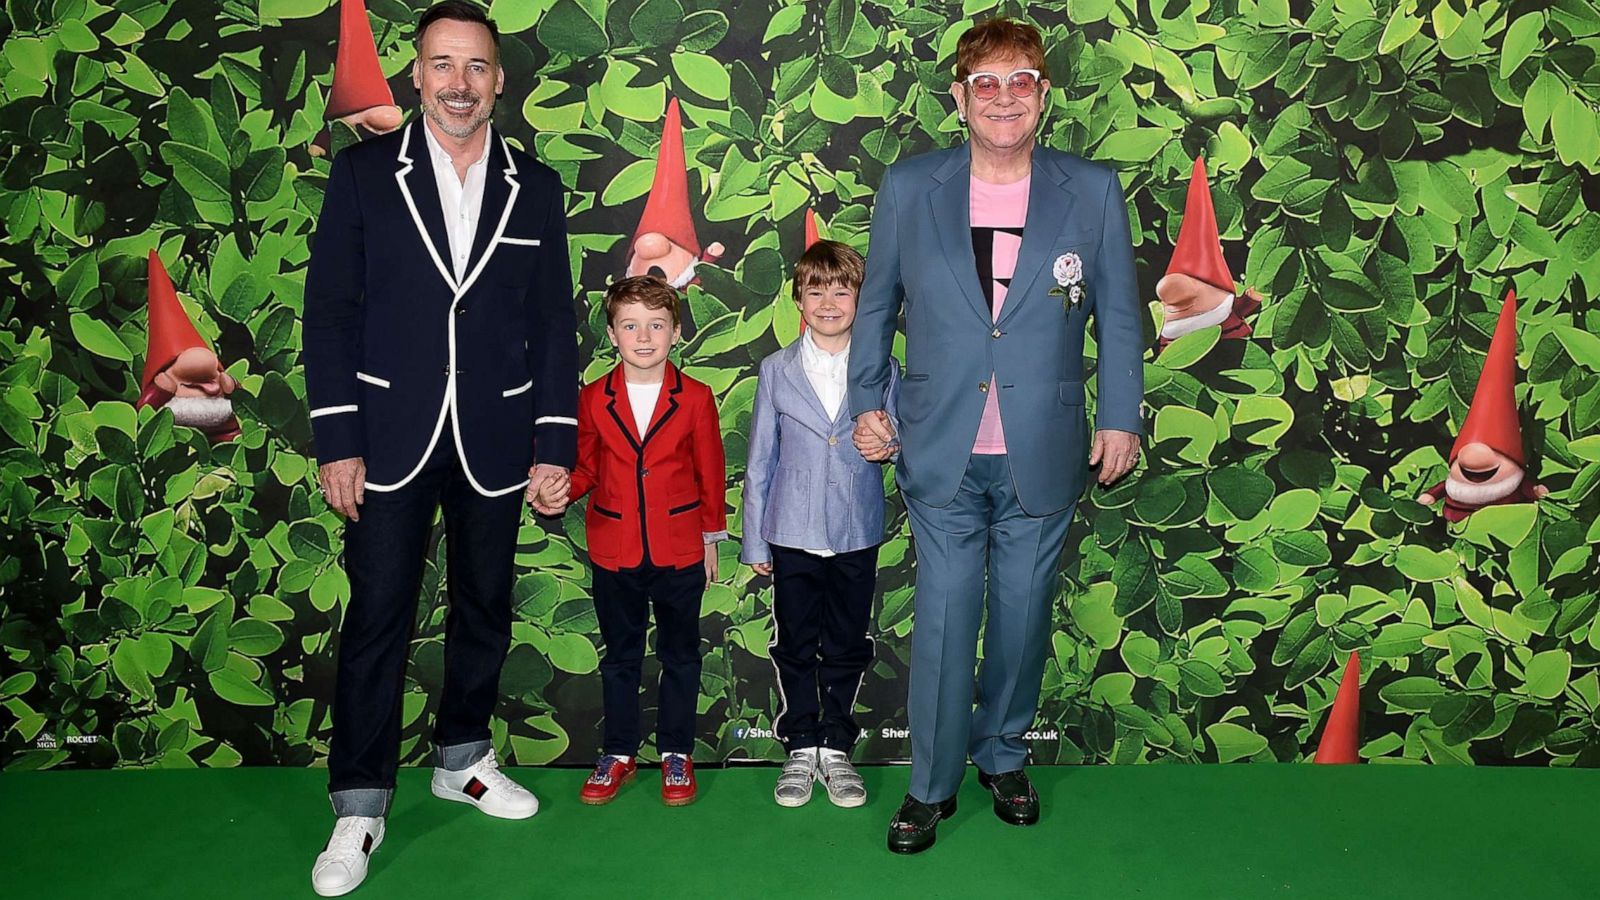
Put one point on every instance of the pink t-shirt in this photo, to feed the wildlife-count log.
(998, 212)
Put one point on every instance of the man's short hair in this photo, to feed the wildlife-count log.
(825, 263)
(650, 290)
(458, 11)
(999, 38)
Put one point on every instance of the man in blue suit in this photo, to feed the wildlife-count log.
(441, 361)
(998, 251)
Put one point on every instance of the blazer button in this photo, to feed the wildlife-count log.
(995, 334)
(447, 370)
(462, 310)
(833, 441)
(644, 473)
(984, 387)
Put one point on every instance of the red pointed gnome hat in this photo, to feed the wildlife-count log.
(171, 332)
(811, 227)
(666, 210)
(358, 81)
(1492, 418)
(1199, 249)
(1341, 735)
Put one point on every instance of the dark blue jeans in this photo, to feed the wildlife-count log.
(383, 556)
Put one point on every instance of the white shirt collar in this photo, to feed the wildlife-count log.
(818, 358)
(441, 156)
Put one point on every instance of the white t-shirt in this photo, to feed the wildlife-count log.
(642, 397)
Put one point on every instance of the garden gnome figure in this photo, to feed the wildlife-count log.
(665, 242)
(360, 96)
(1487, 463)
(1198, 289)
(181, 372)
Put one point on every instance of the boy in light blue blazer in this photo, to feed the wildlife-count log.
(813, 520)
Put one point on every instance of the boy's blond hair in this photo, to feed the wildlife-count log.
(825, 263)
(651, 290)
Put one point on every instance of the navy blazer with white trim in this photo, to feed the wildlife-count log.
(397, 353)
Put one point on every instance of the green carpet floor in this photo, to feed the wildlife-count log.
(1109, 832)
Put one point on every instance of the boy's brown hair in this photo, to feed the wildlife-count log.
(651, 290)
(825, 263)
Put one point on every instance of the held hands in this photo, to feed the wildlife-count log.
(1116, 452)
(549, 489)
(874, 436)
(344, 483)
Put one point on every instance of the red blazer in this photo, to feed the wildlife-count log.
(660, 491)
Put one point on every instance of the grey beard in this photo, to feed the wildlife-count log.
(430, 108)
(201, 412)
(1468, 494)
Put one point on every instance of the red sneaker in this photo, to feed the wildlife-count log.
(677, 780)
(609, 775)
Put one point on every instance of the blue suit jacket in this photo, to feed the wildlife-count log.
(805, 483)
(920, 258)
(399, 356)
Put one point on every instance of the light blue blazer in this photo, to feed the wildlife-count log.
(805, 484)
(920, 261)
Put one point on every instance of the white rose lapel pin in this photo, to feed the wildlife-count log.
(1068, 270)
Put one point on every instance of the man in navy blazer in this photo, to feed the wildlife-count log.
(999, 252)
(441, 362)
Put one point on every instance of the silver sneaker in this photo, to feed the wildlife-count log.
(844, 784)
(799, 772)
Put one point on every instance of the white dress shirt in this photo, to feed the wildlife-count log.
(462, 201)
(828, 375)
(827, 372)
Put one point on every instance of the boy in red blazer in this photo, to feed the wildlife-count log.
(650, 450)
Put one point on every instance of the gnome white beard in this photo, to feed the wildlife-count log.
(1468, 494)
(684, 277)
(201, 412)
(1172, 329)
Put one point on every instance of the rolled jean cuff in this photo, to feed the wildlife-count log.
(372, 802)
(460, 756)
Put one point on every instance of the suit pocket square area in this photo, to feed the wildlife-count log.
(522, 242)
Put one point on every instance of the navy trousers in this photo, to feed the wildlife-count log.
(383, 556)
(623, 601)
(821, 643)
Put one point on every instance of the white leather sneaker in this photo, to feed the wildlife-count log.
(799, 774)
(483, 785)
(342, 865)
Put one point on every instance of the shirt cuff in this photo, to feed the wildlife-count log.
(712, 537)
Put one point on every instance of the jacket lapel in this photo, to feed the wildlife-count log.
(666, 402)
(421, 193)
(794, 371)
(621, 409)
(1049, 206)
(500, 188)
(950, 204)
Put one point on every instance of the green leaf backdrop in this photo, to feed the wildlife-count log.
(1382, 171)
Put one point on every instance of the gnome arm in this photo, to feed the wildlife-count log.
(878, 307)
(1116, 316)
(552, 342)
(331, 327)
(1431, 496)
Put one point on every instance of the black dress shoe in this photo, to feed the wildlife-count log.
(913, 828)
(1015, 800)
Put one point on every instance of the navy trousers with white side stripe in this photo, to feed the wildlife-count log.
(822, 613)
(383, 555)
